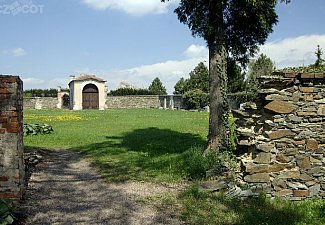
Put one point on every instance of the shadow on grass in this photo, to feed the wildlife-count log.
(143, 154)
(206, 208)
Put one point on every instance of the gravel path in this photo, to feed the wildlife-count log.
(65, 189)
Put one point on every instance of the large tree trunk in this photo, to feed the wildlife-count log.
(218, 139)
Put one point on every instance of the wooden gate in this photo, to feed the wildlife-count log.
(90, 97)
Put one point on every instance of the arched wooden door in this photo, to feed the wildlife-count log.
(90, 97)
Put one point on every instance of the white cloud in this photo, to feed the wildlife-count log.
(169, 73)
(133, 7)
(195, 51)
(16, 52)
(34, 83)
(294, 51)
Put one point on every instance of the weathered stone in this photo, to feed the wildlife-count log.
(306, 89)
(279, 184)
(315, 161)
(296, 185)
(294, 174)
(214, 185)
(304, 162)
(290, 151)
(316, 171)
(315, 120)
(273, 97)
(300, 142)
(310, 183)
(284, 159)
(294, 119)
(303, 113)
(279, 167)
(312, 145)
(256, 168)
(300, 193)
(296, 96)
(263, 158)
(320, 101)
(265, 147)
(280, 134)
(277, 106)
(257, 178)
(284, 192)
(308, 98)
(321, 110)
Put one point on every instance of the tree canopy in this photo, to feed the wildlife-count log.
(232, 29)
(157, 88)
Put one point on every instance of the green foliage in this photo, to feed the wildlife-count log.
(194, 164)
(196, 99)
(157, 88)
(201, 207)
(232, 136)
(199, 79)
(41, 93)
(130, 91)
(236, 78)
(262, 66)
(180, 87)
(319, 61)
(35, 129)
(6, 216)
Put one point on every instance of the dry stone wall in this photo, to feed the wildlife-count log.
(11, 137)
(281, 138)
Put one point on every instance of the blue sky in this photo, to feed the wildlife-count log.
(132, 41)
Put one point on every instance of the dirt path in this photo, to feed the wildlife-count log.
(65, 189)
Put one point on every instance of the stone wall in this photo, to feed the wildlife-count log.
(11, 137)
(41, 103)
(281, 138)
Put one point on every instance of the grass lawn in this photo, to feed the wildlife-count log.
(137, 144)
(162, 146)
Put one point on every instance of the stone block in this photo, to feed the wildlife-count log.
(280, 134)
(257, 178)
(281, 107)
(293, 174)
(263, 158)
(321, 110)
(312, 145)
(301, 193)
(265, 147)
(306, 89)
(303, 113)
(284, 192)
(284, 159)
(256, 168)
(304, 162)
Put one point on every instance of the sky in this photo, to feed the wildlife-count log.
(132, 41)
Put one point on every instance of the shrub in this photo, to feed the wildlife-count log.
(6, 216)
(35, 129)
(129, 91)
(196, 99)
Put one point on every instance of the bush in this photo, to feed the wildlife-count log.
(35, 129)
(6, 216)
(196, 99)
(129, 91)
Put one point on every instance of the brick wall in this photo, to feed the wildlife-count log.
(11, 137)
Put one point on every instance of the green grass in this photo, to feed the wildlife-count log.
(128, 144)
(202, 208)
(162, 146)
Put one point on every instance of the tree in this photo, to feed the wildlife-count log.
(157, 88)
(319, 61)
(236, 78)
(179, 86)
(262, 66)
(199, 79)
(230, 28)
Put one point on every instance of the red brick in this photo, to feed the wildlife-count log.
(10, 125)
(5, 96)
(14, 119)
(3, 178)
(10, 195)
(14, 130)
(9, 113)
(3, 119)
(4, 91)
(2, 131)
(9, 79)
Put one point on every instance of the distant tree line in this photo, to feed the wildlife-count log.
(156, 88)
(42, 92)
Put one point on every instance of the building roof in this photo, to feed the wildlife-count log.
(87, 77)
